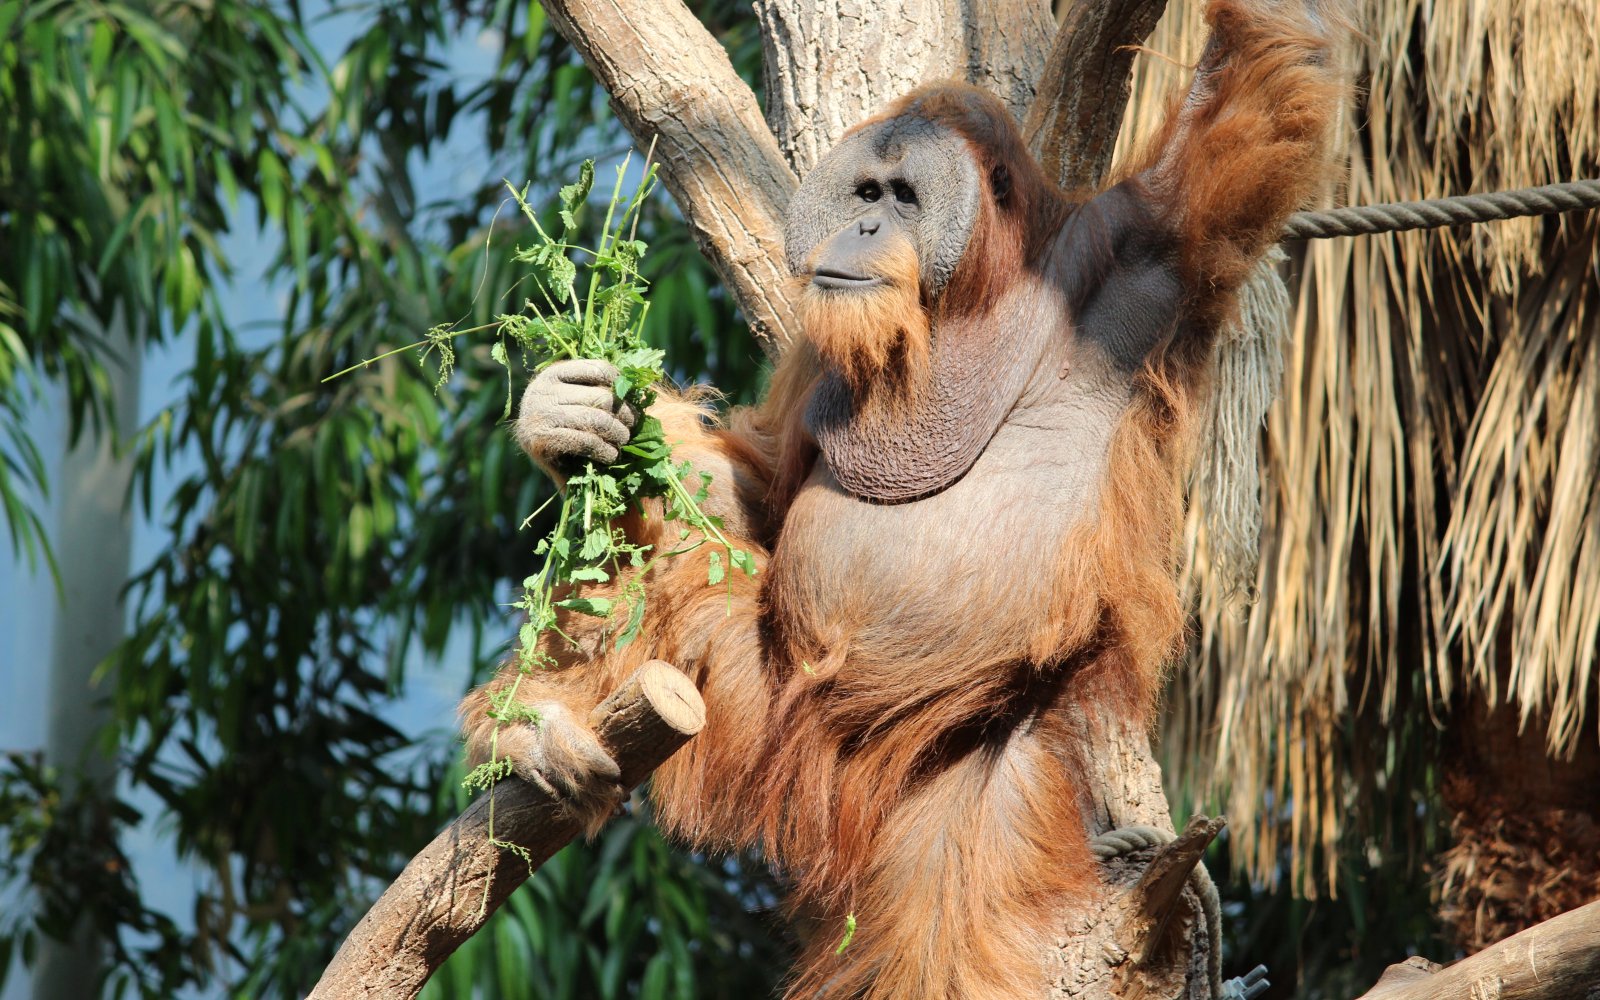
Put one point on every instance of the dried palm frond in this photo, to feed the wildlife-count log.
(1431, 518)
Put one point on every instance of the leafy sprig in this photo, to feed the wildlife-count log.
(586, 549)
(606, 322)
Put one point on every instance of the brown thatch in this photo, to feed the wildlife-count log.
(1431, 508)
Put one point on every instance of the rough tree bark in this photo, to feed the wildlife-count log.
(831, 63)
(1072, 125)
(1147, 935)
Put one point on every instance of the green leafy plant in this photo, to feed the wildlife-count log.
(586, 548)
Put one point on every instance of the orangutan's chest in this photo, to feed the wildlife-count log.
(969, 562)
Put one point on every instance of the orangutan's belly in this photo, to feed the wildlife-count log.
(970, 568)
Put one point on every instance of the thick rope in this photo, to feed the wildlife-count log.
(1249, 357)
(1361, 220)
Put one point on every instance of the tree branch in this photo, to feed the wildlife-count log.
(1556, 960)
(449, 889)
(1155, 897)
(1073, 124)
(670, 81)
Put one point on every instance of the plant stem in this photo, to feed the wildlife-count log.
(704, 524)
(409, 347)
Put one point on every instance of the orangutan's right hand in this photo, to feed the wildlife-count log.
(570, 415)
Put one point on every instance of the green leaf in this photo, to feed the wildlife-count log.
(598, 607)
(716, 572)
(654, 984)
(561, 276)
(744, 560)
(635, 620)
(596, 543)
(360, 530)
(273, 183)
(849, 933)
(629, 250)
(574, 195)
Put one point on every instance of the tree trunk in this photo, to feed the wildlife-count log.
(94, 542)
(831, 63)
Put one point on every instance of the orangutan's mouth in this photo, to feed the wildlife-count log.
(826, 278)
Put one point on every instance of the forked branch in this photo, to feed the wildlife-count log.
(452, 886)
(1073, 124)
(670, 81)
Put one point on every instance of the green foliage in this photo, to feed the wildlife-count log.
(849, 933)
(586, 547)
(320, 541)
(126, 134)
(63, 840)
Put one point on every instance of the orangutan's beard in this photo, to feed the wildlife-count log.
(874, 338)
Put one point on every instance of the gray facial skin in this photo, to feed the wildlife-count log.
(905, 177)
